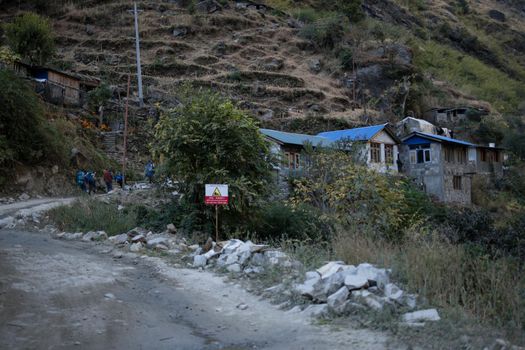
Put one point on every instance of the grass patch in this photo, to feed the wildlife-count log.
(447, 275)
(91, 215)
(469, 74)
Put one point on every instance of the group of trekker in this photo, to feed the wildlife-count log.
(86, 180)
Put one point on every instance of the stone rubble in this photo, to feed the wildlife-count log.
(334, 288)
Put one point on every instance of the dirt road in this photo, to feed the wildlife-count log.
(61, 295)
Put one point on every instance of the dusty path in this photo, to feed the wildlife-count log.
(58, 295)
(10, 209)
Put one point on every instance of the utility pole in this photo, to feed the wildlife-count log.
(124, 176)
(137, 47)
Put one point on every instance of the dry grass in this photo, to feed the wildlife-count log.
(447, 275)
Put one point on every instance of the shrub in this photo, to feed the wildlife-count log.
(92, 215)
(99, 96)
(352, 9)
(306, 15)
(21, 115)
(31, 37)
(326, 32)
(278, 220)
(346, 58)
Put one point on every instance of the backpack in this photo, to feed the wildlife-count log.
(89, 177)
(80, 177)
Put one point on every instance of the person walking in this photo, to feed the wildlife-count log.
(108, 179)
(91, 182)
(119, 179)
(80, 180)
(149, 171)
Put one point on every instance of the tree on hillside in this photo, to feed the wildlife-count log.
(25, 136)
(209, 140)
(31, 37)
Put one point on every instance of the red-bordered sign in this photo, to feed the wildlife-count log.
(216, 194)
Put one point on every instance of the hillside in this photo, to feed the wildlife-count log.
(408, 55)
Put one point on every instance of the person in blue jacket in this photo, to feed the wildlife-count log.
(80, 180)
(149, 171)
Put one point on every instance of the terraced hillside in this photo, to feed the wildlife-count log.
(407, 56)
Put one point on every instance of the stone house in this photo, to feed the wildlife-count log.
(442, 166)
(380, 151)
(447, 115)
(288, 148)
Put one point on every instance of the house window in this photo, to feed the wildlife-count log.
(375, 152)
(420, 154)
(456, 182)
(297, 160)
(389, 154)
(461, 155)
(483, 155)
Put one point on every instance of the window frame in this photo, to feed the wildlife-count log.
(457, 182)
(389, 154)
(375, 151)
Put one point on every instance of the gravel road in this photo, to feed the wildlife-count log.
(61, 295)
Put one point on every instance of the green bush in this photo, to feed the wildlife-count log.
(306, 15)
(276, 220)
(99, 97)
(352, 9)
(31, 37)
(325, 33)
(346, 55)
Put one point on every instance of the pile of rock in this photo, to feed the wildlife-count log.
(339, 288)
(237, 256)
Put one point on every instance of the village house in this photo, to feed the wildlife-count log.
(447, 115)
(380, 151)
(56, 86)
(443, 166)
(288, 148)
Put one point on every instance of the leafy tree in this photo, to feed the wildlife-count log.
(326, 32)
(209, 140)
(99, 96)
(31, 37)
(25, 136)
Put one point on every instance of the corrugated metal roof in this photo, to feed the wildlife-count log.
(356, 134)
(295, 139)
(438, 138)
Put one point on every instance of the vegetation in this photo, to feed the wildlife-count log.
(209, 140)
(22, 114)
(92, 215)
(31, 37)
(99, 96)
(325, 32)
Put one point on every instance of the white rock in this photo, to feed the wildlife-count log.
(409, 300)
(374, 274)
(242, 306)
(234, 268)
(276, 257)
(73, 236)
(393, 292)
(369, 299)
(119, 239)
(199, 261)
(135, 247)
(138, 238)
(211, 253)
(231, 246)
(152, 241)
(353, 282)
(421, 316)
(89, 236)
(171, 228)
(337, 300)
(330, 268)
(258, 259)
(109, 296)
(316, 310)
(7, 222)
(309, 288)
(312, 274)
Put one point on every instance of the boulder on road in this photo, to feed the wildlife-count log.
(330, 268)
(135, 247)
(353, 282)
(119, 239)
(171, 228)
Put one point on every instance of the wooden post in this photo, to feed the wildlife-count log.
(124, 177)
(216, 223)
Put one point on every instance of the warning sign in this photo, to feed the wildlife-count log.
(216, 194)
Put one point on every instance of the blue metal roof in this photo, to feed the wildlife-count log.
(356, 134)
(437, 138)
(295, 139)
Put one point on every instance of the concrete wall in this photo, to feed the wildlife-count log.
(427, 175)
